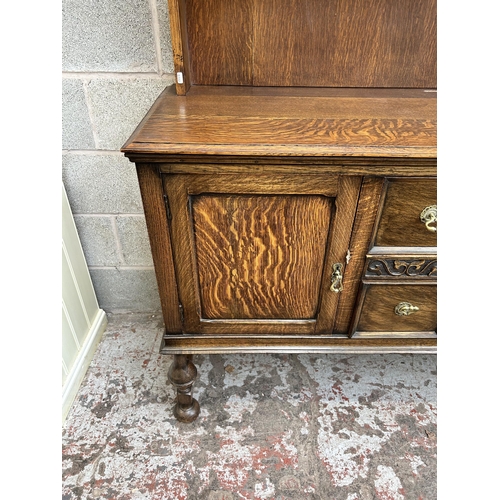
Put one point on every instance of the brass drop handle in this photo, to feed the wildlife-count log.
(429, 216)
(337, 285)
(405, 309)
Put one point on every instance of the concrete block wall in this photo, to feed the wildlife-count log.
(116, 59)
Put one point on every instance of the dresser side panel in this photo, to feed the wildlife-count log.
(158, 226)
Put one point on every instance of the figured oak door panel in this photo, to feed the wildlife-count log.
(260, 257)
(254, 253)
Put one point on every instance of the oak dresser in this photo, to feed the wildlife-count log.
(289, 180)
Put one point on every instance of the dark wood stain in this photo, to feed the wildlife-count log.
(377, 313)
(294, 343)
(159, 237)
(400, 223)
(316, 43)
(304, 136)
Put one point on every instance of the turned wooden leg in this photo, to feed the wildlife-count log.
(182, 374)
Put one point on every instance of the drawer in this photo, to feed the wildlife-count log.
(408, 310)
(400, 222)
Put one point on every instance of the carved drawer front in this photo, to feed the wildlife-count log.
(393, 309)
(409, 214)
(401, 267)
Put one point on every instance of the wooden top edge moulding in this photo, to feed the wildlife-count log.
(361, 123)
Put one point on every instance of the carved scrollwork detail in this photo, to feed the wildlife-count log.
(398, 267)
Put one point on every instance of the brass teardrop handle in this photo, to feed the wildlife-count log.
(336, 279)
(405, 309)
(429, 216)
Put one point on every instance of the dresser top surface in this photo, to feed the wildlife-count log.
(275, 121)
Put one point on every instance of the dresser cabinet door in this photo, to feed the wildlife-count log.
(256, 254)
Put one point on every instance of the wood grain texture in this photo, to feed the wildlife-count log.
(367, 209)
(319, 43)
(159, 237)
(260, 256)
(220, 37)
(299, 166)
(377, 313)
(338, 245)
(195, 214)
(364, 43)
(278, 184)
(179, 40)
(206, 123)
(262, 161)
(216, 344)
(254, 327)
(247, 130)
(400, 223)
(182, 374)
(268, 102)
(183, 249)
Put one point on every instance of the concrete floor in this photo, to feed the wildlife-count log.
(272, 426)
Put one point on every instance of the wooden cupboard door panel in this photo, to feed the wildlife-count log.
(400, 223)
(250, 259)
(378, 316)
(260, 257)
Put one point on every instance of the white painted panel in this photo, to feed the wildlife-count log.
(77, 260)
(83, 322)
(69, 345)
(64, 373)
(82, 362)
(72, 300)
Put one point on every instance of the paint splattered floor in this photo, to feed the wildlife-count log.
(272, 426)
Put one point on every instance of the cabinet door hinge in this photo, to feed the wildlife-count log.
(181, 312)
(167, 206)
